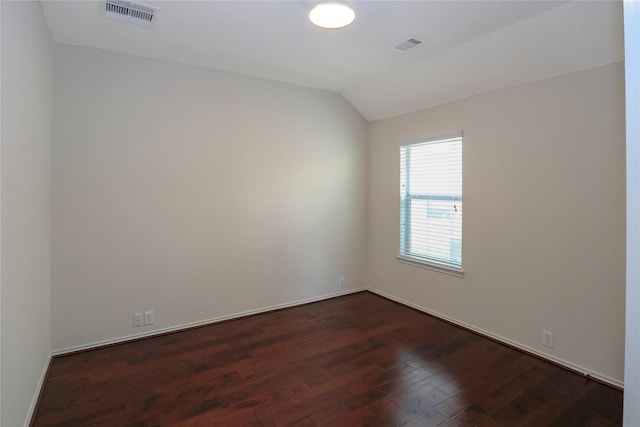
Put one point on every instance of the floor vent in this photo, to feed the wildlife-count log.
(130, 11)
(407, 45)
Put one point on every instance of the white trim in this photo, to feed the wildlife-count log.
(1, 284)
(36, 396)
(126, 338)
(430, 266)
(517, 345)
(439, 137)
(631, 416)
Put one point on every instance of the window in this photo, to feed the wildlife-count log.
(431, 202)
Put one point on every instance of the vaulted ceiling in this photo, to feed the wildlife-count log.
(470, 47)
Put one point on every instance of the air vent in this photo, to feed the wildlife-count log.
(408, 45)
(129, 11)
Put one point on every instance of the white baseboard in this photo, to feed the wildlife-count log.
(36, 396)
(571, 366)
(177, 328)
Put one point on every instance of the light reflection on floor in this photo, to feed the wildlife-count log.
(427, 392)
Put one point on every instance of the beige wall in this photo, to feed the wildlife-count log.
(200, 194)
(25, 200)
(544, 216)
(196, 194)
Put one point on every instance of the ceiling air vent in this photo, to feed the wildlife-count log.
(130, 11)
(408, 45)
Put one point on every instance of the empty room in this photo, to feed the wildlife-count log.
(306, 213)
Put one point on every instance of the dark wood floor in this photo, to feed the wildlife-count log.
(351, 361)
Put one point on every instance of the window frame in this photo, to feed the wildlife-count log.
(404, 238)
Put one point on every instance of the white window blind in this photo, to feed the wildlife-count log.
(431, 200)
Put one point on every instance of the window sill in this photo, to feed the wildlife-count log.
(430, 266)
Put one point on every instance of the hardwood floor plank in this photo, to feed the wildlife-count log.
(357, 360)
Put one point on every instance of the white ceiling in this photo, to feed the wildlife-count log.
(471, 47)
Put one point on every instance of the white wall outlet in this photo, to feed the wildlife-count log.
(547, 339)
(341, 282)
(137, 320)
(148, 318)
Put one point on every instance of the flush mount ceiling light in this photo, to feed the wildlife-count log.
(332, 15)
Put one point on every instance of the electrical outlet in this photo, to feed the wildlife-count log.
(148, 317)
(341, 282)
(137, 320)
(547, 339)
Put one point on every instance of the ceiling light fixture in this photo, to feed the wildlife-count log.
(332, 15)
